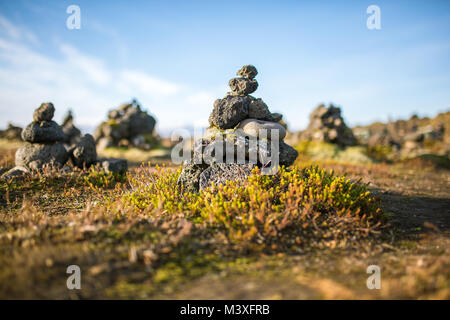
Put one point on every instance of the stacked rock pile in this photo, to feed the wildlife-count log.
(327, 125)
(44, 137)
(126, 126)
(73, 133)
(243, 133)
(45, 147)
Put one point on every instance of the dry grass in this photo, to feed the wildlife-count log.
(138, 237)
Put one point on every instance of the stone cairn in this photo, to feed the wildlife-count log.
(127, 126)
(327, 125)
(45, 141)
(73, 134)
(44, 147)
(241, 126)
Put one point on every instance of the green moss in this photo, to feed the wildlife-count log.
(290, 209)
(318, 151)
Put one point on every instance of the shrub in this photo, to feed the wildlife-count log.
(292, 210)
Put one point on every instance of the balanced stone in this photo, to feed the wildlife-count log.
(140, 122)
(229, 111)
(243, 86)
(127, 125)
(83, 153)
(243, 134)
(73, 133)
(287, 154)
(43, 132)
(260, 128)
(257, 109)
(44, 113)
(247, 71)
(114, 165)
(34, 156)
(327, 125)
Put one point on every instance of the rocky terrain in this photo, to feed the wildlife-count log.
(328, 138)
(408, 138)
(127, 126)
(218, 226)
(326, 124)
(44, 147)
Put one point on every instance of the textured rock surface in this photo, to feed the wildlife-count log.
(73, 134)
(257, 109)
(275, 117)
(140, 122)
(114, 165)
(44, 113)
(83, 153)
(229, 111)
(233, 145)
(243, 86)
(287, 154)
(127, 125)
(247, 71)
(327, 125)
(35, 156)
(254, 127)
(220, 173)
(43, 132)
(16, 173)
(190, 177)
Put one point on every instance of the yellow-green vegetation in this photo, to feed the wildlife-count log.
(296, 208)
(321, 151)
(302, 233)
(136, 155)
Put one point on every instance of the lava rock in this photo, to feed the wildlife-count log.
(274, 117)
(126, 126)
(83, 153)
(114, 165)
(35, 156)
(73, 133)
(247, 71)
(140, 122)
(327, 125)
(243, 86)
(220, 173)
(188, 180)
(43, 132)
(257, 109)
(287, 154)
(229, 111)
(44, 113)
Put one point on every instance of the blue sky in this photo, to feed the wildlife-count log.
(176, 58)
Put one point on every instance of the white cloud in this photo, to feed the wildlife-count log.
(8, 28)
(15, 32)
(94, 68)
(147, 83)
(85, 84)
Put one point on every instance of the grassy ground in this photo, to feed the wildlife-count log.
(134, 237)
